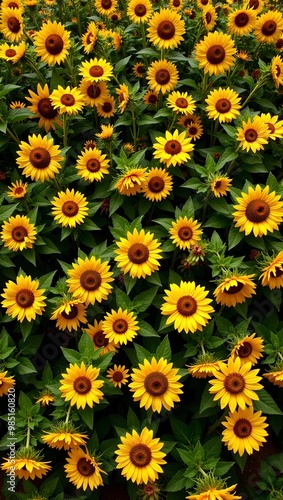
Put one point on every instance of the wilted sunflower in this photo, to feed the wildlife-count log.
(209, 17)
(215, 492)
(94, 93)
(80, 385)
(69, 315)
(139, 11)
(166, 28)
(156, 385)
(83, 470)
(275, 127)
(131, 181)
(173, 149)
(69, 208)
(277, 70)
(27, 464)
(234, 289)
(181, 102)
(215, 53)
(138, 254)
(89, 280)
(39, 158)
(52, 43)
(18, 233)
(276, 376)
(253, 134)
(204, 366)
(12, 25)
(42, 106)
(120, 326)
(123, 97)
(235, 385)
(185, 232)
(158, 184)
(99, 339)
(96, 70)
(244, 431)
(162, 76)
(223, 104)
(220, 186)
(241, 21)
(140, 456)
(23, 299)
(258, 211)
(118, 375)
(106, 109)
(248, 349)
(272, 273)
(6, 383)
(67, 100)
(17, 190)
(12, 53)
(64, 436)
(187, 306)
(92, 165)
(269, 26)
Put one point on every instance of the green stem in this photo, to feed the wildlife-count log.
(214, 133)
(36, 70)
(134, 129)
(28, 436)
(12, 136)
(200, 469)
(68, 414)
(65, 130)
(204, 91)
(259, 84)
(280, 356)
(202, 348)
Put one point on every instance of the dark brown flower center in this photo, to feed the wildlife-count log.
(67, 100)
(223, 105)
(138, 253)
(72, 314)
(24, 298)
(204, 2)
(241, 19)
(140, 10)
(276, 272)
(186, 305)
(173, 147)
(10, 53)
(140, 455)
(90, 38)
(152, 99)
(85, 467)
(277, 70)
(117, 376)
(90, 280)
(93, 165)
(18, 190)
(279, 43)
(234, 383)
(208, 17)
(243, 428)
(216, 54)
(156, 184)
(99, 339)
(19, 233)
(14, 24)
(269, 28)
(156, 383)
(46, 109)
(93, 93)
(234, 288)
(13, 5)
(162, 76)
(166, 30)
(257, 210)
(185, 233)
(217, 184)
(120, 326)
(176, 3)
(106, 4)
(244, 350)
(96, 71)
(188, 121)
(54, 44)
(39, 158)
(181, 102)
(253, 4)
(70, 208)
(192, 130)
(271, 127)
(251, 135)
(107, 107)
(82, 385)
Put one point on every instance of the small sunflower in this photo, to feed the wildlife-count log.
(220, 186)
(244, 431)
(27, 464)
(215, 53)
(139, 69)
(256, 5)
(248, 349)
(166, 28)
(140, 456)
(69, 208)
(118, 375)
(131, 181)
(276, 376)
(189, 119)
(42, 106)
(67, 100)
(23, 299)
(272, 273)
(258, 211)
(69, 315)
(176, 5)
(187, 306)
(45, 399)
(158, 184)
(92, 165)
(223, 104)
(150, 98)
(12, 4)
(202, 4)
(209, 17)
(12, 53)
(234, 289)
(105, 7)
(269, 26)
(241, 21)
(6, 383)
(277, 71)
(235, 385)
(279, 44)
(213, 491)
(195, 131)
(39, 158)
(139, 11)
(275, 127)
(52, 43)
(18, 233)
(11, 24)
(185, 232)
(107, 108)
(83, 470)
(93, 93)
(123, 97)
(64, 436)
(100, 341)
(120, 326)
(204, 366)
(106, 132)
(156, 385)
(80, 385)
(138, 254)
(253, 134)
(173, 149)
(17, 190)
(181, 102)
(96, 70)
(162, 76)
(243, 55)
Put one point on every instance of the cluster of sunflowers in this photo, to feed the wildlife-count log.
(141, 249)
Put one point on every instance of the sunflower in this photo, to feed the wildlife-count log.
(138, 254)
(107, 108)
(105, 7)
(12, 4)
(243, 55)
(269, 26)
(256, 5)
(215, 53)
(12, 53)
(279, 44)
(235, 384)
(258, 211)
(275, 377)
(100, 341)
(173, 149)
(272, 273)
(42, 106)
(6, 383)
(185, 232)
(223, 104)
(187, 306)
(181, 102)
(155, 385)
(162, 76)
(277, 70)
(118, 375)
(204, 366)
(275, 127)
(166, 28)
(123, 97)
(11, 25)
(120, 326)
(139, 11)
(195, 131)
(220, 186)
(234, 289)
(201, 4)
(67, 100)
(52, 43)
(93, 93)
(69, 315)
(92, 165)
(150, 98)
(83, 470)
(18, 233)
(39, 158)
(17, 190)
(214, 491)
(248, 349)
(89, 280)
(64, 436)
(26, 465)
(139, 69)
(96, 70)
(176, 5)
(158, 184)
(23, 299)
(70, 208)
(106, 132)
(189, 119)
(45, 399)
(131, 181)
(253, 134)
(241, 21)
(80, 385)
(244, 431)
(89, 38)
(140, 456)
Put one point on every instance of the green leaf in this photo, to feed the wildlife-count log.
(123, 300)
(164, 349)
(206, 399)
(46, 280)
(121, 64)
(8, 88)
(228, 155)
(178, 482)
(142, 353)
(146, 120)
(116, 201)
(144, 300)
(25, 366)
(266, 404)
(133, 421)
(71, 355)
(234, 237)
(87, 415)
(6, 212)
(180, 432)
(146, 329)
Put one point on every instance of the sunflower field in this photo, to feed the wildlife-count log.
(141, 249)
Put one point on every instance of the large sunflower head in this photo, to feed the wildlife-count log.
(181, 102)
(223, 104)
(118, 375)
(83, 470)
(253, 134)
(166, 28)
(18, 233)
(39, 158)
(162, 76)
(139, 11)
(69, 315)
(92, 165)
(52, 43)
(249, 349)
(23, 299)
(269, 26)
(216, 53)
(234, 289)
(42, 106)
(69, 208)
(100, 341)
(67, 100)
(106, 7)
(244, 431)
(241, 21)
(120, 326)
(131, 181)
(256, 5)
(173, 149)
(80, 385)
(12, 52)
(96, 70)
(11, 24)
(258, 211)
(185, 232)
(272, 272)
(158, 184)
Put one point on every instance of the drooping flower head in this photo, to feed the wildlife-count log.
(6, 383)
(27, 464)
(272, 272)
(69, 315)
(234, 289)
(64, 436)
(131, 181)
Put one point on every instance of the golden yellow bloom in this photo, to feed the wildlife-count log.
(69, 315)
(220, 186)
(166, 28)
(256, 5)
(215, 53)
(39, 158)
(100, 341)
(162, 76)
(12, 53)
(27, 465)
(106, 132)
(105, 7)
(118, 375)
(123, 97)
(272, 273)
(120, 326)
(275, 377)
(241, 21)
(215, 493)
(64, 436)
(139, 69)
(248, 349)
(69, 208)
(139, 11)
(67, 100)
(92, 165)
(106, 109)
(234, 290)
(158, 184)
(173, 149)
(18, 233)
(203, 368)
(185, 232)
(89, 38)
(17, 190)
(23, 299)
(83, 470)
(94, 93)
(11, 24)
(132, 181)
(52, 43)
(181, 102)
(209, 17)
(275, 127)
(277, 70)
(150, 98)
(244, 431)
(6, 383)
(45, 399)
(253, 134)
(12, 4)
(269, 26)
(96, 70)
(223, 104)
(42, 106)
(80, 385)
